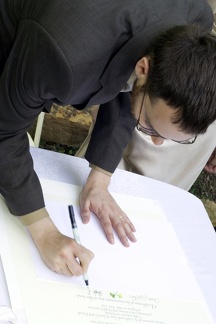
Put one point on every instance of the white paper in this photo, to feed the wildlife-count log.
(150, 265)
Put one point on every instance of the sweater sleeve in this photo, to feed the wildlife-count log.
(36, 72)
(112, 131)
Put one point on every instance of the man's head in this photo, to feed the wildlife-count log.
(179, 70)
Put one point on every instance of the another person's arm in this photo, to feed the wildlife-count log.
(211, 164)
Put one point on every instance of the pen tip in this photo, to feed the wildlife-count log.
(87, 283)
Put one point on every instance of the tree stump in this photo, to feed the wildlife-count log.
(65, 125)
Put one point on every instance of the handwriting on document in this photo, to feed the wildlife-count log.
(113, 307)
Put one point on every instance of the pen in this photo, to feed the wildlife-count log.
(76, 235)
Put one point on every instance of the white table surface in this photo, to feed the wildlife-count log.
(184, 211)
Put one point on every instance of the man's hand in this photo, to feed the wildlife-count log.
(96, 198)
(211, 164)
(58, 251)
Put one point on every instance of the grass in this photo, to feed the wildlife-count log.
(205, 186)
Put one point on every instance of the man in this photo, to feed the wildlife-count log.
(143, 157)
(83, 53)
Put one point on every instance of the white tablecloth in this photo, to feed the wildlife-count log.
(184, 211)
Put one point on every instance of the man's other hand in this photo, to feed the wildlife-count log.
(96, 198)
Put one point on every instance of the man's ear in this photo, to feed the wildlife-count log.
(142, 69)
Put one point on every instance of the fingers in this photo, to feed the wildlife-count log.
(63, 269)
(124, 228)
(85, 257)
(85, 214)
(210, 168)
(121, 224)
(72, 260)
(129, 223)
(102, 204)
(60, 253)
(129, 229)
(84, 208)
(97, 199)
(211, 164)
(108, 229)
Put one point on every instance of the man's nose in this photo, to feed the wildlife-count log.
(157, 140)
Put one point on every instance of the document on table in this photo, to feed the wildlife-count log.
(152, 264)
(149, 282)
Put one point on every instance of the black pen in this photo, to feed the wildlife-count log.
(76, 235)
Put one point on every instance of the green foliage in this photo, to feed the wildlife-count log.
(70, 150)
(205, 187)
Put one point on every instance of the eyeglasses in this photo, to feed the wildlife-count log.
(152, 132)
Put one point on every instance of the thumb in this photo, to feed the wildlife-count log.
(84, 212)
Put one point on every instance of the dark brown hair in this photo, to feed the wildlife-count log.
(183, 74)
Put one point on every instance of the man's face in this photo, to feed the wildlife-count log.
(156, 117)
